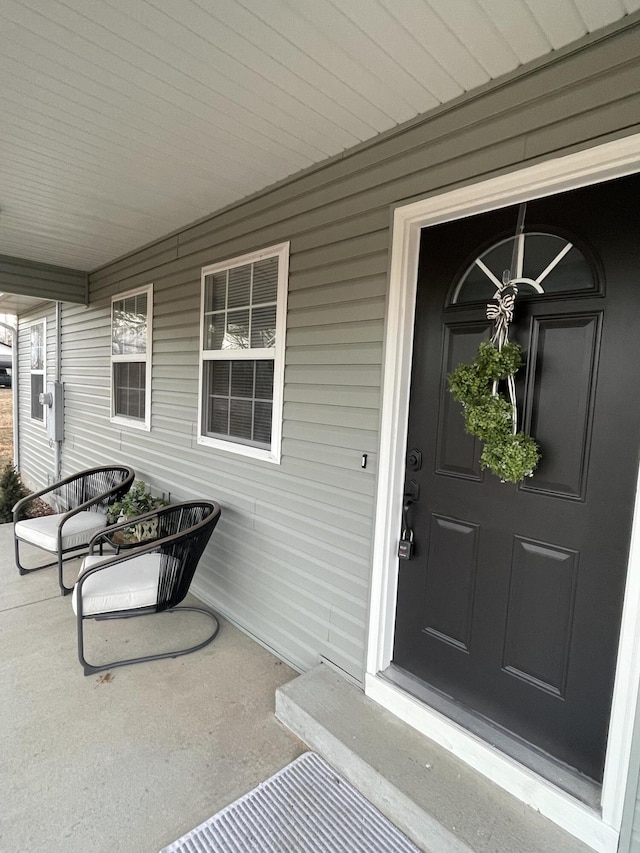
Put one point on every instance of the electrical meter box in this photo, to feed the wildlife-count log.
(52, 400)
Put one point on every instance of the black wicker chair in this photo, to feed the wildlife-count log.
(80, 504)
(149, 578)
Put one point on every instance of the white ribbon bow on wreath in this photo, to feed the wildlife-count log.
(501, 314)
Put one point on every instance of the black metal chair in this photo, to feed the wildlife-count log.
(148, 578)
(80, 504)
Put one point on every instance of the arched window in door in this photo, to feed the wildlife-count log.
(545, 264)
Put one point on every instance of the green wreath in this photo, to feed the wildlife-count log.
(490, 416)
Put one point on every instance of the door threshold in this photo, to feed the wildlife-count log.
(435, 798)
(556, 772)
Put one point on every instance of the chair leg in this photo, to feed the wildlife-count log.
(91, 669)
(16, 543)
(23, 570)
(59, 561)
(64, 590)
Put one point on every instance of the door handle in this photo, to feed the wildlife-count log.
(411, 496)
(411, 493)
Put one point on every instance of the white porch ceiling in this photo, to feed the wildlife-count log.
(122, 120)
(14, 303)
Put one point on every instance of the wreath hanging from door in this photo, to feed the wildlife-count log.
(510, 454)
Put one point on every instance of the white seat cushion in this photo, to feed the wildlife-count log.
(77, 531)
(123, 586)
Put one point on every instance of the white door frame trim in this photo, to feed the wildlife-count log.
(600, 831)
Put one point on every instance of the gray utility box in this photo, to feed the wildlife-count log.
(53, 403)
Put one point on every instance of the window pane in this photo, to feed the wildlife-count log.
(262, 422)
(218, 283)
(263, 327)
(242, 378)
(571, 272)
(219, 415)
(499, 258)
(240, 418)
(476, 287)
(215, 414)
(232, 409)
(219, 382)
(37, 387)
(239, 287)
(121, 401)
(237, 332)
(208, 294)
(539, 251)
(129, 383)
(264, 380)
(129, 325)
(265, 281)
(214, 331)
(37, 347)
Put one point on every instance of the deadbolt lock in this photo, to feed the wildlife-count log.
(414, 460)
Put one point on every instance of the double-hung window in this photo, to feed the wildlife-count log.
(37, 365)
(242, 365)
(131, 316)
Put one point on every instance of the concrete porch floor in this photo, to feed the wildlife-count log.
(133, 761)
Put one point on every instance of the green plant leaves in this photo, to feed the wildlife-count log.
(498, 364)
(489, 418)
(11, 491)
(137, 501)
(488, 415)
(511, 458)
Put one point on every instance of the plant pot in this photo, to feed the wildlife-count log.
(140, 532)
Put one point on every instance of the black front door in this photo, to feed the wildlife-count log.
(511, 604)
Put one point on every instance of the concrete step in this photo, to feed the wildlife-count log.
(439, 802)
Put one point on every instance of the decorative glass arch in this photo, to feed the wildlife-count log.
(544, 264)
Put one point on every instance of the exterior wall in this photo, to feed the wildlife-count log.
(42, 280)
(291, 554)
(635, 838)
(291, 557)
(630, 831)
(37, 457)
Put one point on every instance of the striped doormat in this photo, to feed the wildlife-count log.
(304, 808)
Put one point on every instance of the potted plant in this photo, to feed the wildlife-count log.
(137, 501)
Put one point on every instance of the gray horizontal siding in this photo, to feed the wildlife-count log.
(635, 833)
(29, 278)
(630, 830)
(37, 457)
(291, 558)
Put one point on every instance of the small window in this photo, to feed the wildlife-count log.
(38, 334)
(546, 264)
(131, 315)
(242, 366)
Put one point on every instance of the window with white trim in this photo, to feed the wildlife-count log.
(131, 334)
(37, 366)
(243, 324)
